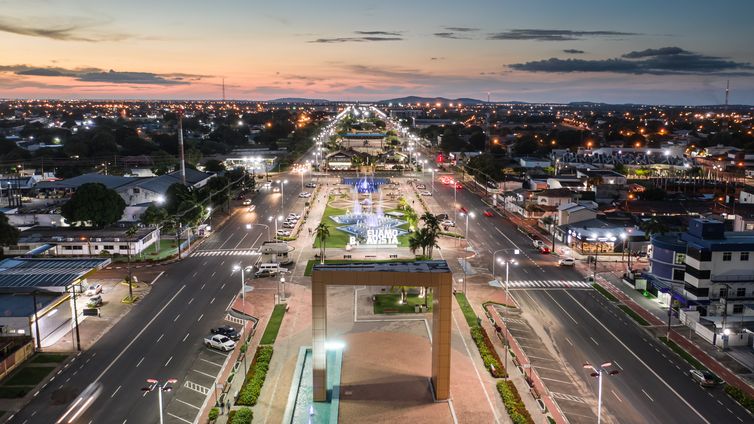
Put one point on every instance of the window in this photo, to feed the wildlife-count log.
(678, 274)
(741, 291)
(108, 247)
(679, 259)
(698, 274)
(738, 309)
(727, 256)
(744, 256)
(123, 247)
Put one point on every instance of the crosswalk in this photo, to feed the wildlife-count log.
(227, 252)
(547, 284)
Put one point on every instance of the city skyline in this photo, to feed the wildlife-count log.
(640, 52)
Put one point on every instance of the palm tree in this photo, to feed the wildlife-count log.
(431, 222)
(416, 242)
(431, 232)
(411, 218)
(130, 233)
(322, 232)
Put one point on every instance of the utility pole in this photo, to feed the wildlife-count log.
(180, 148)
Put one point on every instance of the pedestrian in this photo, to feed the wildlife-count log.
(229, 406)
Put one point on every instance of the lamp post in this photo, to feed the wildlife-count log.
(209, 212)
(248, 227)
(164, 387)
(507, 300)
(598, 372)
(455, 201)
(466, 236)
(433, 179)
(281, 290)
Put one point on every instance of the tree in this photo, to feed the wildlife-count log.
(8, 234)
(430, 232)
(130, 233)
(415, 243)
(653, 226)
(412, 218)
(155, 216)
(322, 232)
(214, 165)
(94, 203)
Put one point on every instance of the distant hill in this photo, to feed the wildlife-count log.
(417, 99)
(297, 100)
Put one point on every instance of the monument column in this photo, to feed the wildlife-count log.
(319, 336)
(442, 306)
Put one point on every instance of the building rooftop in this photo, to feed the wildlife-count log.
(418, 266)
(51, 274)
(13, 305)
(109, 181)
(60, 234)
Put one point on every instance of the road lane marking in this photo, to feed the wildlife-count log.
(222, 287)
(213, 274)
(200, 317)
(618, 365)
(176, 317)
(617, 339)
(139, 334)
(169, 359)
(616, 396)
(115, 392)
(569, 341)
(140, 361)
(195, 274)
(185, 337)
(189, 302)
(650, 397)
(202, 287)
(562, 308)
(160, 338)
(595, 341)
(212, 301)
(205, 374)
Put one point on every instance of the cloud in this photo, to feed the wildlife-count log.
(573, 51)
(383, 33)
(663, 51)
(553, 34)
(450, 35)
(102, 76)
(437, 58)
(78, 31)
(664, 61)
(461, 29)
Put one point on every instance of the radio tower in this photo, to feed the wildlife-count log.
(180, 147)
(725, 118)
(223, 89)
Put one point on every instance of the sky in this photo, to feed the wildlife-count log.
(639, 51)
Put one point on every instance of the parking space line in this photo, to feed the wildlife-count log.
(186, 403)
(216, 352)
(176, 416)
(549, 369)
(210, 362)
(204, 373)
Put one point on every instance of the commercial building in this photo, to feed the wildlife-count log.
(76, 241)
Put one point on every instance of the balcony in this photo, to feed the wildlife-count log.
(746, 278)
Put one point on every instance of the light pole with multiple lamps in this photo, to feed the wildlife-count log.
(598, 372)
(248, 227)
(282, 194)
(164, 387)
(507, 263)
(279, 218)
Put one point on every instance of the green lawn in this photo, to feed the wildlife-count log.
(167, 248)
(28, 376)
(390, 301)
(271, 331)
(468, 311)
(46, 358)
(339, 239)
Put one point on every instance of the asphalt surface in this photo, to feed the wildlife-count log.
(654, 385)
(162, 337)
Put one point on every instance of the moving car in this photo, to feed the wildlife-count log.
(227, 331)
(538, 243)
(544, 249)
(567, 262)
(305, 194)
(463, 209)
(276, 189)
(488, 213)
(426, 193)
(219, 342)
(246, 202)
(311, 185)
(267, 185)
(459, 186)
(420, 187)
(704, 378)
(93, 289)
(447, 223)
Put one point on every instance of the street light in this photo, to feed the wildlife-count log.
(279, 218)
(598, 372)
(248, 227)
(164, 387)
(507, 292)
(209, 212)
(466, 236)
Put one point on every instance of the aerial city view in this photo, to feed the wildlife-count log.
(376, 212)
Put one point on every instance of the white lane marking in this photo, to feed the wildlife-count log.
(647, 395)
(176, 317)
(160, 338)
(595, 341)
(562, 308)
(617, 339)
(195, 274)
(202, 287)
(189, 302)
(617, 365)
(186, 403)
(205, 374)
(616, 396)
(210, 362)
(200, 317)
(222, 287)
(212, 301)
(115, 392)
(569, 341)
(176, 416)
(185, 337)
(139, 334)
(169, 359)
(140, 361)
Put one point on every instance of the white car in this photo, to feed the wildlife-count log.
(93, 289)
(246, 202)
(448, 223)
(276, 189)
(267, 185)
(426, 193)
(219, 342)
(567, 262)
(421, 186)
(305, 194)
(283, 233)
(293, 215)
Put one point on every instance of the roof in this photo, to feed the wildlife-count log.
(53, 274)
(193, 176)
(12, 305)
(417, 266)
(555, 192)
(60, 234)
(109, 181)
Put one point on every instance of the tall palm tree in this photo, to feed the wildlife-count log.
(431, 232)
(130, 233)
(431, 222)
(322, 233)
(415, 243)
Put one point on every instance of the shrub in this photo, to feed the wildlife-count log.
(487, 351)
(513, 404)
(242, 416)
(252, 385)
(214, 413)
(740, 396)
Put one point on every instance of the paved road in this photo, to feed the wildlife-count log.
(162, 337)
(654, 386)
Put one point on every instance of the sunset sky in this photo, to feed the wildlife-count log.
(665, 52)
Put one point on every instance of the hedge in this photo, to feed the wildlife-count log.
(740, 396)
(513, 404)
(214, 413)
(604, 292)
(252, 385)
(242, 416)
(487, 351)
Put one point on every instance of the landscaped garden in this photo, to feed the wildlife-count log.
(390, 303)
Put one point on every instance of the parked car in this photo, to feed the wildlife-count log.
(94, 301)
(426, 193)
(293, 215)
(93, 289)
(311, 185)
(704, 378)
(304, 194)
(227, 331)
(544, 249)
(283, 233)
(289, 224)
(567, 262)
(442, 216)
(220, 342)
(538, 243)
(246, 202)
(421, 186)
(447, 223)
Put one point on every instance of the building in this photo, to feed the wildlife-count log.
(77, 241)
(531, 162)
(571, 213)
(340, 160)
(553, 197)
